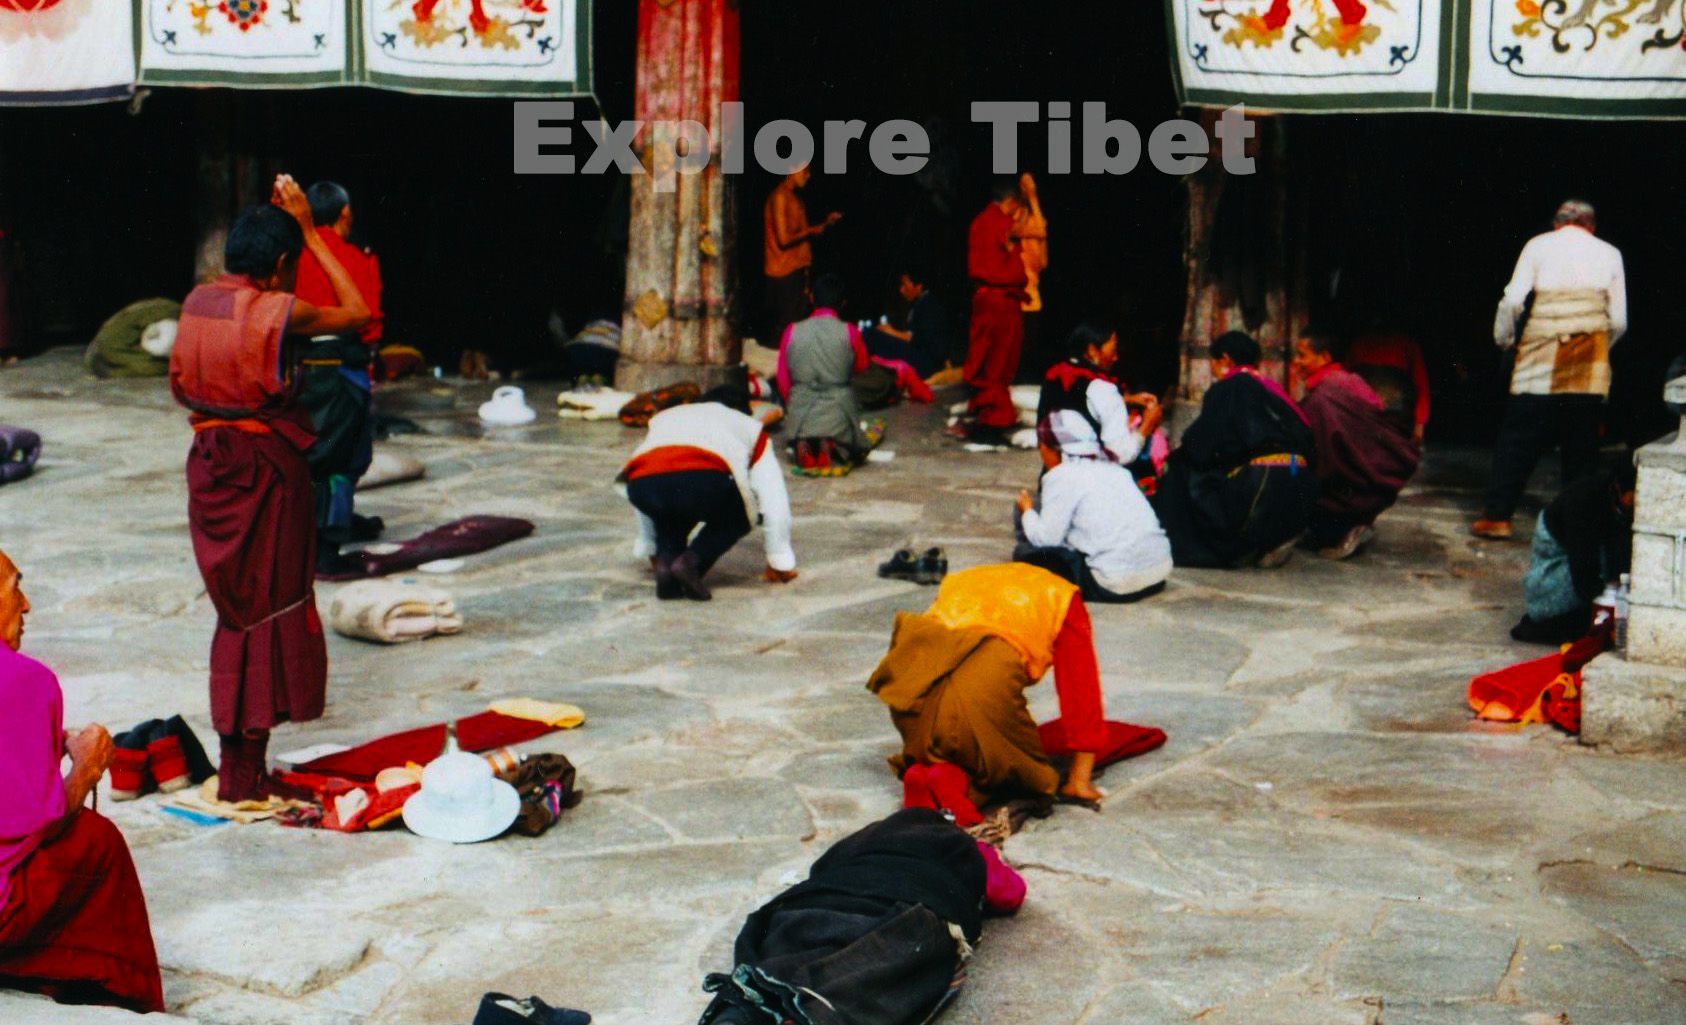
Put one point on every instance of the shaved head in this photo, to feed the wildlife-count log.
(13, 605)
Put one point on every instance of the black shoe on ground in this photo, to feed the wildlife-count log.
(366, 528)
(689, 576)
(503, 1009)
(902, 566)
(331, 565)
(933, 566)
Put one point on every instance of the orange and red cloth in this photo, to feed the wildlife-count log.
(1540, 690)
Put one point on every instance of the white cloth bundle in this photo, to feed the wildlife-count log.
(393, 611)
(388, 468)
(592, 404)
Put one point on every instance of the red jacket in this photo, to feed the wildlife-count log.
(365, 270)
(992, 258)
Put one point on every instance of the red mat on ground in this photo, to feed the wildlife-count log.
(468, 536)
(1123, 740)
(482, 732)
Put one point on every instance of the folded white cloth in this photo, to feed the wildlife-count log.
(507, 408)
(390, 468)
(392, 611)
(592, 404)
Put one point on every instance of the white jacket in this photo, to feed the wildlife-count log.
(736, 439)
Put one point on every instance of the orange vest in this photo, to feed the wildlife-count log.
(227, 361)
(1023, 605)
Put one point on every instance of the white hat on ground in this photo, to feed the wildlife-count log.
(507, 408)
(461, 801)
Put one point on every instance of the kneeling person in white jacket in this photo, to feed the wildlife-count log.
(707, 464)
(1094, 527)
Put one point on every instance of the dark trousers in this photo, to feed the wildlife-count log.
(678, 502)
(1070, 564)
(1533, 425)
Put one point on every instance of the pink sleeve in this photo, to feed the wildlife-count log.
(783, 375)
(31, 747)
(862, 360)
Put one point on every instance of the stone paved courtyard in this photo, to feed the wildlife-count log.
(1328, 838)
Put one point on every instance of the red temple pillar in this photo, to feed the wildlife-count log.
(677, 318)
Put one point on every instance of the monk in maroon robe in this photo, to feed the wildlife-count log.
(250, 508)
(995, 264)
(1364, 456)
(73, 921)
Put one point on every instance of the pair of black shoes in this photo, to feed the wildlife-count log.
(929, 568)
(503, 1009)
(681, 578)
(199, 767)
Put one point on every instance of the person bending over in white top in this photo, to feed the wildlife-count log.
(707, 464)
(1094, 527)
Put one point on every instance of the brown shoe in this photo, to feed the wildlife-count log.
(689, 577)
(1492, 530)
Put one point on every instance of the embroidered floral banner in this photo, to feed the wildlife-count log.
(1578, 58)
(65, 51)
(1558, 58)
(62, 51)
(244, 42)
(1315, 55)
(504, 46)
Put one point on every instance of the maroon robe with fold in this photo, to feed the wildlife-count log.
(250, 509)
(996, 268)
(73, 920)
(1363, 458)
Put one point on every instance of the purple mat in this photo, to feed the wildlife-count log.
(18, 451)
(461, 537)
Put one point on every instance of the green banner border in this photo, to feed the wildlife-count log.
(1451, 95)
(355, 73)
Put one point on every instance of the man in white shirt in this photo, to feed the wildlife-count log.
(1569, 296)
(707, 465)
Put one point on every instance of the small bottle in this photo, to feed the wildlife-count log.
(1622, 607)
(1604, 608)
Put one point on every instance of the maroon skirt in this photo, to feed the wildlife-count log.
(252, 518)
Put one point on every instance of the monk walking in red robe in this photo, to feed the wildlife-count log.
(73, 921)
(995, 263)
(250, 510)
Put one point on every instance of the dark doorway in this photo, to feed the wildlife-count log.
(1424, 216)
(1115, 242)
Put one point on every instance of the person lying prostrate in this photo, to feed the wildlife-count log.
(954, 679)
(1093, 526)
(1082, 383)
(707, 464)
(73, 921)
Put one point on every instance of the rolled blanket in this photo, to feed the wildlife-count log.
(393, 611)
(592, 404)
(19, 449)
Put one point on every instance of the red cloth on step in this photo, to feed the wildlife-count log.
(74, 925)
(476, 733)
(1123, 740)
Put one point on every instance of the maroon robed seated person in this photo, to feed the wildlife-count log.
(250, 509)
(73, 919)
(1364, 456)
